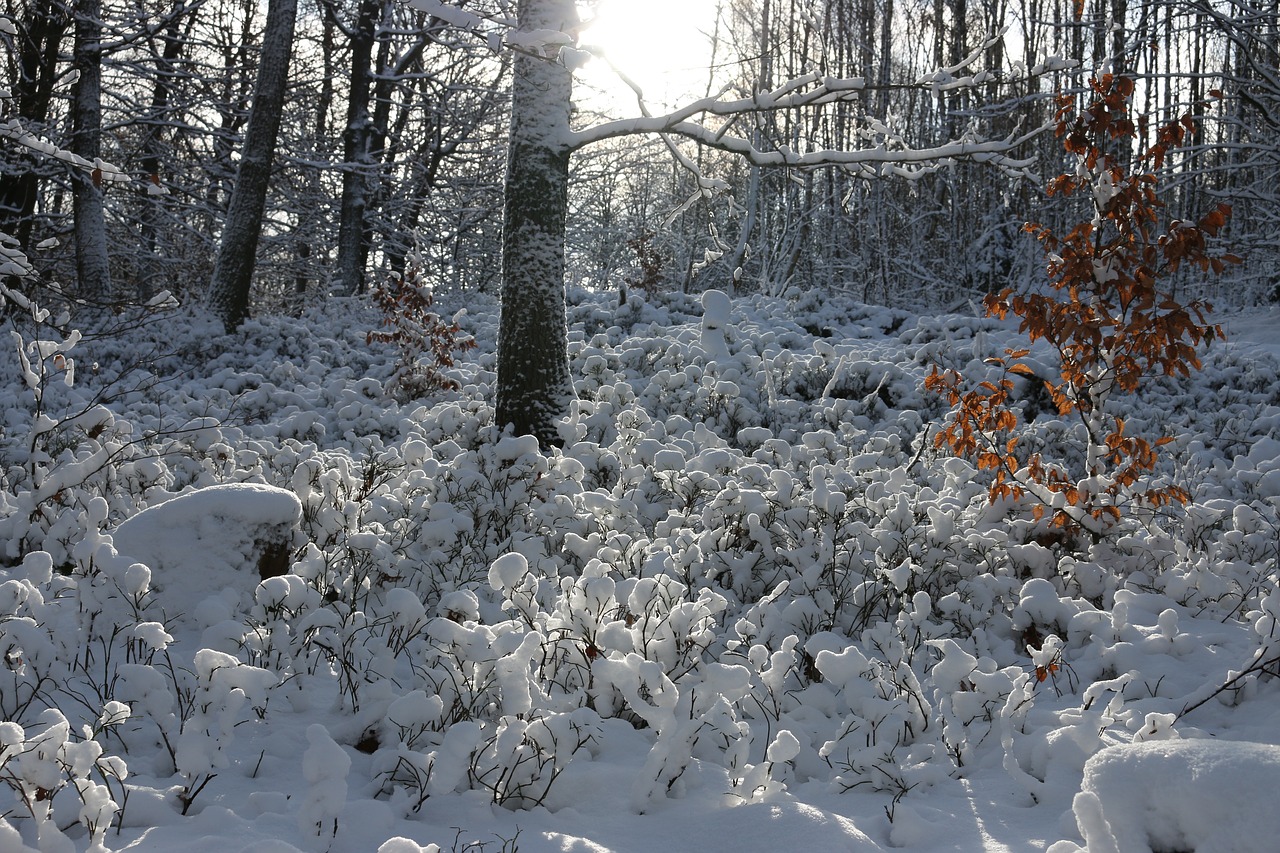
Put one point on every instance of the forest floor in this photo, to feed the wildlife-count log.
(748, 607)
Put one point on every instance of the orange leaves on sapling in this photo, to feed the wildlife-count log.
(1105, 315)
(425, 342)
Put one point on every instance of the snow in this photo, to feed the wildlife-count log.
(324, 767)
(748, 607)
(1210, 796)
(208, 541)
(715, 316)
(1257, 329)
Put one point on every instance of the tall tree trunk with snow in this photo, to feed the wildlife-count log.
(233, 271)
(358, 144)
(93, 272)
(753, 202)
(534, 388)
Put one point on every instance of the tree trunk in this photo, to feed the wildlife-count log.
(233, 272)
(39, 33)
(357, 153)
(93, 272)
(149, 267)
(534, 388)
(310, 219)
(755, 204)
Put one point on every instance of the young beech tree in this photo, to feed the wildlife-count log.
(534, 386)
(1108, 315)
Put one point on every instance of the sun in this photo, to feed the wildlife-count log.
(664, 46)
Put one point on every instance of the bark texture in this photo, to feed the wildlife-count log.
(358, 151)
(93, 272)
(233, 271)
(534, 388)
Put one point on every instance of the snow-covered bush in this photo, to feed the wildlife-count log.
(52, 772)
(223, 687)
(756, 565)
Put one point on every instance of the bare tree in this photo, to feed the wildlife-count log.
(40, 28)
(93, 271)
(359, 140)
(534, 388)
(233, 271)
(173, 38)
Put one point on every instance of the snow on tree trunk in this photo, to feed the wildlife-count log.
(92, 269)
(233, 272)
(358, 154)
(355, 201)
(534, 388)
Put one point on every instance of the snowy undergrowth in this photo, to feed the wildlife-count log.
(748, 550)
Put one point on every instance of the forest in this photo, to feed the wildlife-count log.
(393, 127)
(407, 445)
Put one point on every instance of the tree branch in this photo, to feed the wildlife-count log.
(877, 161)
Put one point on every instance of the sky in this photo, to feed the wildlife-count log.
(663, 45)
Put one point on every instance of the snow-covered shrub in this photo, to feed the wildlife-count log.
(428, 519)
(223, 687)
(483, 713)
(694, 720)
(270, 638)
(817, 600)
(62, 446)
(977, 700)
(882, 709)
(519, 757)
(33, 616)
(52, 773)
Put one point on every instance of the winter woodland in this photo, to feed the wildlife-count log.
(405, 448)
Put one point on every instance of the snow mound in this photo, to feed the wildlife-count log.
(1205, 796)
(203, 543)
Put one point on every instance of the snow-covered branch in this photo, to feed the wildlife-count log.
(875, 161)
(14, 131)
(463, 19)
(501, 31)
(816, 90)
(808, 90)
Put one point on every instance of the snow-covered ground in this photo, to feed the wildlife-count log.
(749, 607)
